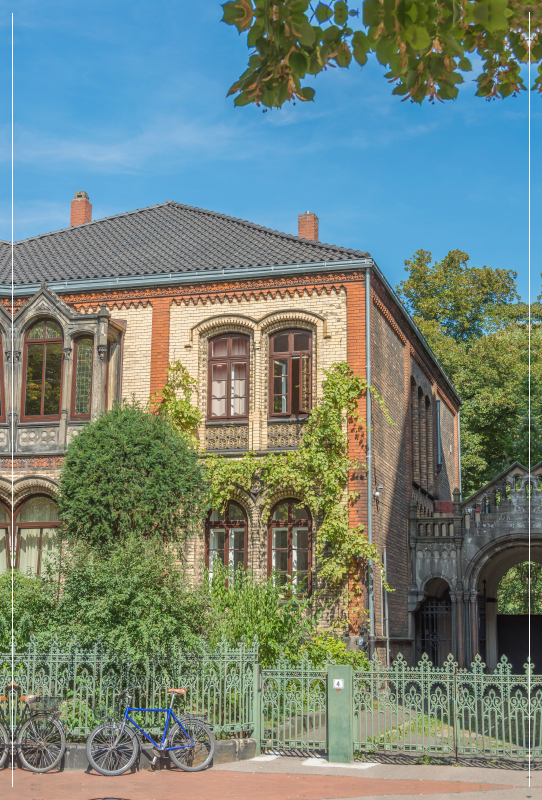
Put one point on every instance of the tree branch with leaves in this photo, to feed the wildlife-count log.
(426, 45)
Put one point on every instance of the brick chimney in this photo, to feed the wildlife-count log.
(81, 209)
(307, 226)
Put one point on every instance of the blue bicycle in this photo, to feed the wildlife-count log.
(114, 746)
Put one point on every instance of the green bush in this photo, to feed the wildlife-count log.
(31, 607)
(325, 646)
(135, 599)
(130, 473)
(246, 606)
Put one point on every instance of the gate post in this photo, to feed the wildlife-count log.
(257, 706)
(340, 713)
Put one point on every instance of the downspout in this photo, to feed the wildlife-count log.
(459, 451)
(369, 460)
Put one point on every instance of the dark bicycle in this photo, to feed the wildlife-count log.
(113, 747)
(38, 738)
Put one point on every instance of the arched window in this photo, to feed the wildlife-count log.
(289, 545)
(5, 531)
(228, 377)
(35, 523)
(42, 370)
(290, 371)
(226, 537)
(82, 377)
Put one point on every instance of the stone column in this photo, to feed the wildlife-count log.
(67, 375)
(474, 624)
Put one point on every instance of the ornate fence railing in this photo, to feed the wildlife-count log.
(427, 709)
(417, 709)
(220, 683)
(293, 706)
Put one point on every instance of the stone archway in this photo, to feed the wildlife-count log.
(475, 540)
(493, 565)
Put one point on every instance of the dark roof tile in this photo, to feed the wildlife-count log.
(165, 238)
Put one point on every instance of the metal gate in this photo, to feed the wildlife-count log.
(435, 629)
(293, 707)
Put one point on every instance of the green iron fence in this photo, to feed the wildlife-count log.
(446, 710)
(417, 709)
(220, 684)
(293, 706)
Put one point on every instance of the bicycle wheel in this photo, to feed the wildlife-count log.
(41, 743)
(110, 751)
(195, 755)
(4, 745)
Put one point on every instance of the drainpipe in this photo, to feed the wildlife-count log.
(459, 450)
(369, 461)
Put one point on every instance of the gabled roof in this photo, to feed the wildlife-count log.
(514, 468)
(160, 239)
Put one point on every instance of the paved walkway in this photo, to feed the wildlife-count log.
(279, 779)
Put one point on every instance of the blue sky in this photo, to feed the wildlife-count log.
(127, 100)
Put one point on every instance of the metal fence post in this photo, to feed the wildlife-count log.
(257, 707)
(340, 713)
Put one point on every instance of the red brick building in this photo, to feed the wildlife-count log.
(102, 307)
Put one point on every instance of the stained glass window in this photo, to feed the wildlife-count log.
(83, 377)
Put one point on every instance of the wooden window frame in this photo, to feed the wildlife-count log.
(289, 356)
(229, 359)
(291, 523)
(227, 524)
(44, 343)
(17, 526)
(73, 415)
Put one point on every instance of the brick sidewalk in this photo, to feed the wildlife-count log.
(221, 785)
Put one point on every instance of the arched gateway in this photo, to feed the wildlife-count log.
(459, 556)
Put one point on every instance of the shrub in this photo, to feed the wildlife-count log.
(136, 600)
(130, 473)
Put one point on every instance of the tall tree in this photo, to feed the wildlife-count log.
(477, 325)
(425, 45)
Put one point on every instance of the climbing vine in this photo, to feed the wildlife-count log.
(316, 472)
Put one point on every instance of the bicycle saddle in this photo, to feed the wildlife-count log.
(28, 698)
(3, 698)
(177, 691)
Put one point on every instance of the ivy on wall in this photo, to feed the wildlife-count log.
(316, 472)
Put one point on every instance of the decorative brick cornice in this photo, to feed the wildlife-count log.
(36, 462)
(202, 292)
(388, 317)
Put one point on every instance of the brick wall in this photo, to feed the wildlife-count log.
(390, 470)
(159, 343)
(136, 360)
(357, 358)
